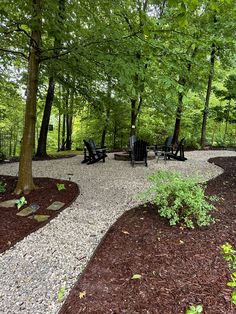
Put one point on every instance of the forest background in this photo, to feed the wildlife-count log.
(77, 69)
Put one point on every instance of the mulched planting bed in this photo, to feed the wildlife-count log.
(178, 266)
(14, 228)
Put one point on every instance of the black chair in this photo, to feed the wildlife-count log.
(168, 147)
(93, 154)
(179, 153)
(139, 153)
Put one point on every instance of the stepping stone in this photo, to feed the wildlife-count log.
(9, 203)
(56, 205)
(40, 218)
(32, 208)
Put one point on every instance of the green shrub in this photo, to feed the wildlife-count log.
(230, 256)
(179, 199)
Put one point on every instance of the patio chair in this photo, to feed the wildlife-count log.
(162, 151)
(93, 154)
(139, 153)
(179, 153)
(168, 147)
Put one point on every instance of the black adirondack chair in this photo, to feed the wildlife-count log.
(139, 152)
(93, 154)
(179, 153)
(168, 147)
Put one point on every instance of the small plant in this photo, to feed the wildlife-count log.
(20, 202)
(2, 187)
(195, 309)
(61, 186)
(229, 255)
(179, 199)
(61, 294)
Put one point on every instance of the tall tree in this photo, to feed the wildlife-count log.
(25, 179)
(42, 141)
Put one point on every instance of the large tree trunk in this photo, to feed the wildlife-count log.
(42, 142)
(25, 179)
(208, 94)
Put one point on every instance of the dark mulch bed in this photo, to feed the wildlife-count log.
(14, 228)
(179, 267)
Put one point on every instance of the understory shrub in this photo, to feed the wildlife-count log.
(179, 198)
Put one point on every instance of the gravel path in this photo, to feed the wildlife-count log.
(34, 270)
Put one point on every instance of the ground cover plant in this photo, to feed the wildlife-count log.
(176, 269)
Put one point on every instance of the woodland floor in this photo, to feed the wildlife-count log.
(178, 267)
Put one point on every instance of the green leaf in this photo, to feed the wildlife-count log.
(233, 296)
(20, 202)
(136, 277)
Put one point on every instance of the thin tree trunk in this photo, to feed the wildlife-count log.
(226, 121)
(42, 141)
(25, 179)
(208, 94)
(178, 118)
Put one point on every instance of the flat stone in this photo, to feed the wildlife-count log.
(40, 218)
(9, 203)
(25, 212)
(56, 205)
(34, 206)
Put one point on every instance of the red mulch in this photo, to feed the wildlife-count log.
(14, 228)
(179, 267)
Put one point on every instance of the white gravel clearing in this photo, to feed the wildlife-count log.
(33, 271)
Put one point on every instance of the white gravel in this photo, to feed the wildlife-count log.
(33, 271)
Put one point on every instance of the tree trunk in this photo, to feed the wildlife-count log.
(226, 122)
(178, 118)
(42, 142)
(25, 179)
(207, 100)
(65, 110)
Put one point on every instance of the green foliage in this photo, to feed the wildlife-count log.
(195, 309)
(229, 255)
(20, 202)
(2, 187)
(179, 199)
(61, 186)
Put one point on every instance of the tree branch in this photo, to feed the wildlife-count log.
(14, 52)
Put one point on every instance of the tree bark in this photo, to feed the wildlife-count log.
(207, 100)
(178, 118)
(25, 179)
(42, 142)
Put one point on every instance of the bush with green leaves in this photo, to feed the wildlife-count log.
(229, 255)
(179, 198)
